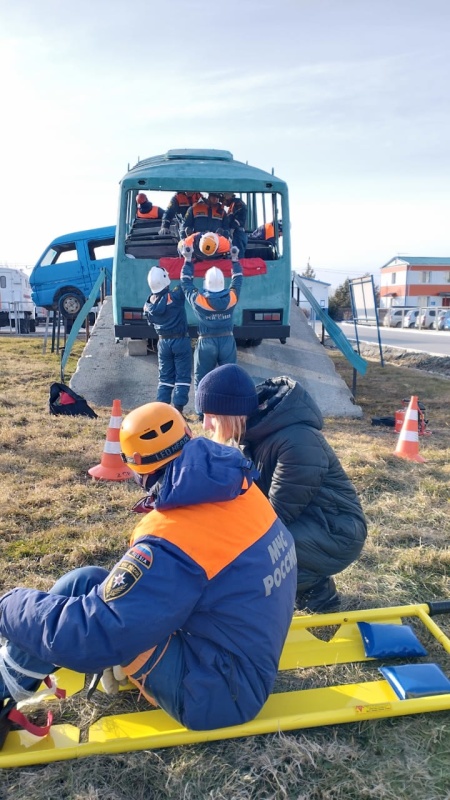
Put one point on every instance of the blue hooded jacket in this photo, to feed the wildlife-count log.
(211, 564)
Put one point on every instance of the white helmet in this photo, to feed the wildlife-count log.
(158, 279)
(214, 280)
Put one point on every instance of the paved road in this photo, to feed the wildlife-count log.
(436, 343)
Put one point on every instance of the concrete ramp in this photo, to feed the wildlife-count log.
(106, 371)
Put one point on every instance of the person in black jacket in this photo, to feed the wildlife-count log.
(279, 426)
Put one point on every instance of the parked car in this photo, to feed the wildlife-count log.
(67, 270)
(443, 320)
(394, 317)
(427, 318)
(410, 318)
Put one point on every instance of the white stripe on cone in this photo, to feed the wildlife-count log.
(409, 436)
(112, 447)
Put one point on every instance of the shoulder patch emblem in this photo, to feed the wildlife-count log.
(123, 577)
(142, 553)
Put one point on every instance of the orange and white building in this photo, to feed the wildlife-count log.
(415, 281)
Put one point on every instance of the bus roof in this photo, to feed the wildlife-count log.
(93, 233)
(204, 170)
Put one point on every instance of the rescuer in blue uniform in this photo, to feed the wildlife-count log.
(197, 610)
(165, 309)
(146, 209)
(205, 215)
(206, 246)
(213, 307)
(236, 221)
(178, 206)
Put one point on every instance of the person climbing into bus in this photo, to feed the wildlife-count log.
(165, 310)
(146, 209)
(237, 220)
(205, 215)
(197, 610)
(206, 245)
(179, 204)
(279, 427)
(213, 307)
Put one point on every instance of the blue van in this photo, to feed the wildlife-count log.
(68, 268)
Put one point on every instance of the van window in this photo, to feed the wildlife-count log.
(101, 248)
(60, 253)
(2, 281)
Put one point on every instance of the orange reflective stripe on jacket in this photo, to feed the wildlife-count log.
(241, 522)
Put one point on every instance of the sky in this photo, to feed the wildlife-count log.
(347, 100)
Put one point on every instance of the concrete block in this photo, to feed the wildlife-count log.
(136, 347)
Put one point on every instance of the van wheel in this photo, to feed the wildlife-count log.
(70, 304)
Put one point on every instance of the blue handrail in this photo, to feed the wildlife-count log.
(338, 337)
(81, 316)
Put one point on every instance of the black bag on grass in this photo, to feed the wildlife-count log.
(63, 400)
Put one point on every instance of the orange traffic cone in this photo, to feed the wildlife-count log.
(408, 440)
(111, 467)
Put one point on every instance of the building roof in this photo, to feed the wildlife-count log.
(419, 260)
(313, 280)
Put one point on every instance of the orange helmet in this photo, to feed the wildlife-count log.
(151, 436)
(209, 244)
(141, 198)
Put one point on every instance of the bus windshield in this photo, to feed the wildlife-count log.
(163, 199)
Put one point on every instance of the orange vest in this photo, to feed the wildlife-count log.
(152, 214)
(202, 209)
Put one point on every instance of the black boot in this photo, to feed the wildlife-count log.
(179, 408)
(320, 598)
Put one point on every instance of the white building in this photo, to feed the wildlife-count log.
(319, 289)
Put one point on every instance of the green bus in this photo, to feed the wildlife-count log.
(264, 304)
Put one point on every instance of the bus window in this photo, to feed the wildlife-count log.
(264, 306)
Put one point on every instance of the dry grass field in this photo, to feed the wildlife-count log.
(53, 517)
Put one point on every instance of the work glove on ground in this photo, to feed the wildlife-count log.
(164, 232)
(234, 253)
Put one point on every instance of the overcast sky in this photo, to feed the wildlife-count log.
(348, 101)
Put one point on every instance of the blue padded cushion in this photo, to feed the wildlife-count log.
(416, 680)
(389, 641)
